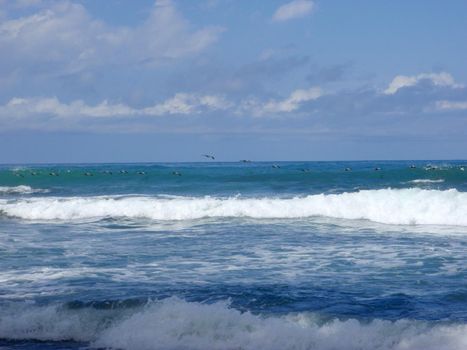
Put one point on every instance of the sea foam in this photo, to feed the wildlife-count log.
(426, 181)
(177, 324)
(389, 206)
(21, 189)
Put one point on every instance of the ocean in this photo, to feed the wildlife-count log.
(240, 255)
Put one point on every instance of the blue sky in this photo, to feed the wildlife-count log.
(126, 80)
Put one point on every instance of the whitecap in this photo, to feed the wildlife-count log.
(423, 181)
(388, 206)
(177, 324)
(21, 189)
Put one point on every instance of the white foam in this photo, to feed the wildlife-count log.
(390, 206)
(426, 181)
(49, 323)
(21, 189)
(177, 324)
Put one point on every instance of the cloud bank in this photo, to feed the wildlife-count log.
(65, 37)
(181, 103)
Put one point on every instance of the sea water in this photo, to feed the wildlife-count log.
(247, 255)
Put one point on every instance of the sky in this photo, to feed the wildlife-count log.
(169, 80)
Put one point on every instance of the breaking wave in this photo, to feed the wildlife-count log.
(426, 181)
(21, 189)
(389, 206)
(177, 324)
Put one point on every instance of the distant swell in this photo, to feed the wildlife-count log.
(177, 324)
(22, 189)
(390, 206)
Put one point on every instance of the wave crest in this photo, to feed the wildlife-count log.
(389, 206)
(426, 181)
(177, 324)
(21, 189)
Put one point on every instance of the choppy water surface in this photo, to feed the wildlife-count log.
(234, 255)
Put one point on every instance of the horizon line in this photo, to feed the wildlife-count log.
(237, 161)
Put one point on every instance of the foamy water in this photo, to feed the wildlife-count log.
(177, 324)
(390, 206)
(21, 189)
(426, 181)
(234, 256)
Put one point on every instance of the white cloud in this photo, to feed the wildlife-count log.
(180, 104)
(166, 34)
(52, 107)
(293, 9)
(29, 107)
(288, 105)
(183, 103)
(451, 105)
(438, 79)
(64, 35)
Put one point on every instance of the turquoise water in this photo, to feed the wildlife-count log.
(287, 255)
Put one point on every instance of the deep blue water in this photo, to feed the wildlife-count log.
(300, 255)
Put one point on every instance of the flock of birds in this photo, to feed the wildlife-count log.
(211, 157)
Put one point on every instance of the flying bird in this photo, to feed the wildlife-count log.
(210, 156)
